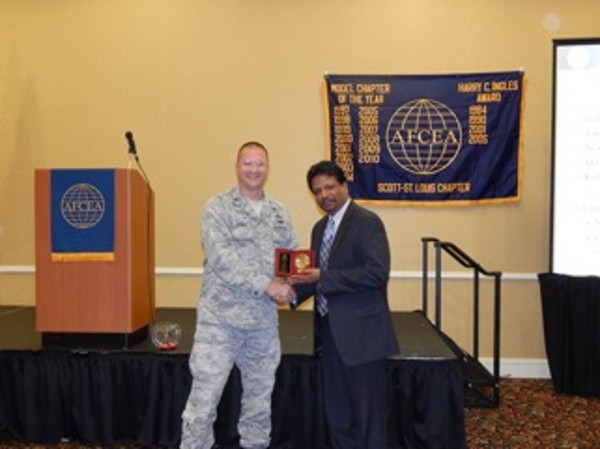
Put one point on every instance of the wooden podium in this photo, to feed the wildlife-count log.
(91, 303)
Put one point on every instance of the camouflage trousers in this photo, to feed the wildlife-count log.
(216, 349)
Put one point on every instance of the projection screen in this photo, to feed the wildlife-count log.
(575, 195)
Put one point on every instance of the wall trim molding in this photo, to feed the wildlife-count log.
(519, 368)
(394, 274)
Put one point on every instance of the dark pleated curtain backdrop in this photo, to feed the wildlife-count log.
(571, 318)
(105, 398)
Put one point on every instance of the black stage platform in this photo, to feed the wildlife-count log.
(137, 394)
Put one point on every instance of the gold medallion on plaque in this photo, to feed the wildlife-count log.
(302, 261)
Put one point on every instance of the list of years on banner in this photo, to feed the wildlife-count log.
(485, 92)
(367, 98)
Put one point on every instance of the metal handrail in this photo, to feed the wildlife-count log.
(468, 262)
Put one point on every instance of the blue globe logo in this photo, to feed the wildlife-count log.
(82, 206)
(424, 136)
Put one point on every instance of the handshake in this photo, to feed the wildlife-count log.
(281, 292)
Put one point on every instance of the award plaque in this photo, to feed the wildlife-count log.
(291, 261)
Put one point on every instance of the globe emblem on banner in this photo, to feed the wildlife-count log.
(82, 206)
(423, 136)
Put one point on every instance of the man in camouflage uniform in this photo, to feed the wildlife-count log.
(237, 316)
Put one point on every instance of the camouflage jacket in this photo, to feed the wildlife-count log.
(239, 248)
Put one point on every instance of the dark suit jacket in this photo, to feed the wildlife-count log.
(355, 285)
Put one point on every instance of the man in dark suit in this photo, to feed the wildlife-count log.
(353, 328)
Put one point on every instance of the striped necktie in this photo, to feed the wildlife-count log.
(323, 261)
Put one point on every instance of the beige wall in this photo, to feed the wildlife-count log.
(194, 78)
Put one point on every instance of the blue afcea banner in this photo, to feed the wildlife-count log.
(82, 214)
(430, 139)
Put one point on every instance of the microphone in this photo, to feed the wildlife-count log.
(132, 149)
(133, 154)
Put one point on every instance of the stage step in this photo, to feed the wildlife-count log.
(480, 389)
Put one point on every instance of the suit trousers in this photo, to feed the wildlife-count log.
(355, 397)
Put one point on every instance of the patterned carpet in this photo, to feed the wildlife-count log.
(531, 416)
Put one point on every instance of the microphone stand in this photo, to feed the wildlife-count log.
(132, 155)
